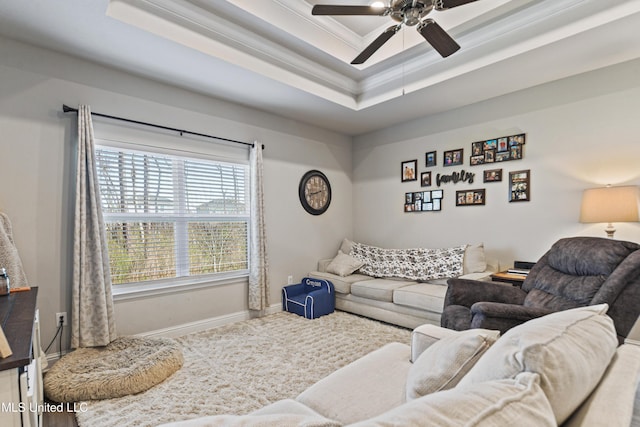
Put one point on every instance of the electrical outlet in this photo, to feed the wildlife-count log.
(290, 280)
(62, 316)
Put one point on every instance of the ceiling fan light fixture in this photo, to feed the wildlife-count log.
(406, 12)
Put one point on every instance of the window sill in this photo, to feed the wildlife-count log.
(171, 286)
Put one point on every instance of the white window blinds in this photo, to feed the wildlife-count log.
(171, 216)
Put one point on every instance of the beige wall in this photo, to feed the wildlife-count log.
(582, 132)
(37, 169)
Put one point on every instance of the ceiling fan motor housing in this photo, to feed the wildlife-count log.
(410, 12)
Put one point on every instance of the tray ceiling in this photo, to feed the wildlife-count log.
(275, 56)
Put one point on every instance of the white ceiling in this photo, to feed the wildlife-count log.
(273, 55)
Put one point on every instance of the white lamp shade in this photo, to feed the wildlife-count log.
(611, 204)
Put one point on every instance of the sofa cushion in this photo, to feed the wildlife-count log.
(518, 402)
(424, 296)
(474, 259)
(442, 365)
(341, 285)
(378, 289)
(363, 389)
(570, 350)
(343, 265)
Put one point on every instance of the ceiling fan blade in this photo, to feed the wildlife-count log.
(328, 9)
(376, 44)
(438, 37)
(449, 4)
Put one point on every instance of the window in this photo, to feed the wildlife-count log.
(170, 217)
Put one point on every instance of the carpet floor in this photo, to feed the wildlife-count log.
(238, 368)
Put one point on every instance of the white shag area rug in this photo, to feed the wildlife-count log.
(238, 368)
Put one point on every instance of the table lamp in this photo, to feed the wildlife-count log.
(610, 204)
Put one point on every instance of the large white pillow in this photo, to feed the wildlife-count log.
(511, 402)
(343, 265)
(443, 364)
(570, 350)
(474, 260)
(345, 246)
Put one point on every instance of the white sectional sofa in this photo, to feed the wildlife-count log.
(400, 301)
(563, 369)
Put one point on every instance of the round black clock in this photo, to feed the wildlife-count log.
(315, 192)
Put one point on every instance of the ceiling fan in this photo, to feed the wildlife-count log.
(408, 12)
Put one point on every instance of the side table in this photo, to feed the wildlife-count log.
(506, 277)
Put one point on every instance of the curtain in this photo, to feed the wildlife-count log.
(92, 319)
(258, 261)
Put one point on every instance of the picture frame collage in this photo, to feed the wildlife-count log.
(495, 150)
(519, 186)
(423, 201)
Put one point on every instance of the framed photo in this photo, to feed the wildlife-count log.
(515, 152)
(470, 197)
(408, 198)
(477, 148)
(430, 159)
(489, 156)
(503, 144)
(476, 160)
(520, 186)
(425, 179)
(423, 201)
(409, 170)
(492, 175)
(491, 144)
(516, 140)
(503, 157)
(453, 157)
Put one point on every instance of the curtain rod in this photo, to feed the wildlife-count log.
(67, 109)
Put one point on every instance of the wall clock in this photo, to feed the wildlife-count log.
(315, 192)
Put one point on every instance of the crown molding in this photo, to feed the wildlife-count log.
(505, 30)
(185, 23)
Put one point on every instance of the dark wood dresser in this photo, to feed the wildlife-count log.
(21, 400)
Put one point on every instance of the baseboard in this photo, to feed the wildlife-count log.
(191, 327)
(202, 325)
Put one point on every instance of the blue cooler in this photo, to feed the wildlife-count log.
(311, 298)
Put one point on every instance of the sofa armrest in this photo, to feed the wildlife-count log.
(611, 403)
(424, 336)
(502, 317)
(468, 292)
(634, 334)
(508, 311)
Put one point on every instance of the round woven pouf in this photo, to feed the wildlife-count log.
(128, 365)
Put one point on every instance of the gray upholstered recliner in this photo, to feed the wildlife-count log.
(575, 272)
